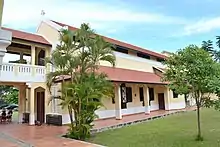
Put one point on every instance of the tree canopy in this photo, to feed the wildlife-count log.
(209, 47)
(9, 94)
(192, 70)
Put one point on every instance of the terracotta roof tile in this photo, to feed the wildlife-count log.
(28, 36)
(127, 45)
(126, 75)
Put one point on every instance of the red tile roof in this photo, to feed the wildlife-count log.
(27, 36)
(127, 75)
(113, 41)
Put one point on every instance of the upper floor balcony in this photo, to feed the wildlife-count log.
(12, 72)
(24, 59)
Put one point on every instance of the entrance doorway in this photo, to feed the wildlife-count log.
(41, 107)
(123, 96)
(161, 101)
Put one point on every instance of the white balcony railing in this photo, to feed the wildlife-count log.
(12, 72)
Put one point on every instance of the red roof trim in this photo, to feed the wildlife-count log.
(127, 45)
(126, 75)
(28, 36)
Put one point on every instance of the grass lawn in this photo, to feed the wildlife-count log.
(173, 131)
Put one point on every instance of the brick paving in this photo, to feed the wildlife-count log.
(6, 143)
(38, 136)
(129, 118)
(22, 135)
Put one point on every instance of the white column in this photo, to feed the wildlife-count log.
(118, 113)
(47, 102)
(20, 115)
(27, 100)
(5, 41)
(33, 55)
(24, 98)
(32, 105)
(21, 102)
(1, 11)
(167, 98)
(146, 99)
(48, 66)
(21, 55)
(5, 36)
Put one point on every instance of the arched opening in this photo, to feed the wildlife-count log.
(41, 58)
(40, 104)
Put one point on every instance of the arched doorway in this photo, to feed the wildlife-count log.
(40, 104)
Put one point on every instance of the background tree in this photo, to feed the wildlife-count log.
(9, 94)
(4, 89)
(214, 52)
(208, 46)
(78, 57)
(192, 70)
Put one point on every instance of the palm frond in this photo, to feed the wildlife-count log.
(218, 41)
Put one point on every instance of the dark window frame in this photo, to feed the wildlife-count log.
(151, 94)
(96, 100)
(113, 100)
(175, 95)
(141, 94)
(121, 50)
(129, 94)
(142, 55)
(160, 60)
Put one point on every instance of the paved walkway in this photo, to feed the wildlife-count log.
(112, 123)
(17, 135)
(131, 118)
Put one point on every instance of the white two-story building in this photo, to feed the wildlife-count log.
(137, 70)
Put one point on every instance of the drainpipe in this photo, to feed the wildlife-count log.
(5, 36)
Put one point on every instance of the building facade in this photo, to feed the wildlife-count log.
(138, 72)
(29, 79)
(136, 77)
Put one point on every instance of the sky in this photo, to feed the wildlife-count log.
(156, 25)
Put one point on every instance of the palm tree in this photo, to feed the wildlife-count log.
(62, 60)
(208, 46)
(101, 51)
(218, 41)
(77, 55)
(217, 52)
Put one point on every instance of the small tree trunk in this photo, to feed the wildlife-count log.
(76, 118)
(199, 136)
(71, 117)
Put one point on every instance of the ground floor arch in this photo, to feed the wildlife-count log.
(33, 102)
(40, 104)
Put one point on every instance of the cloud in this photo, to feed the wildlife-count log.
(24, 14)
(202, 26)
